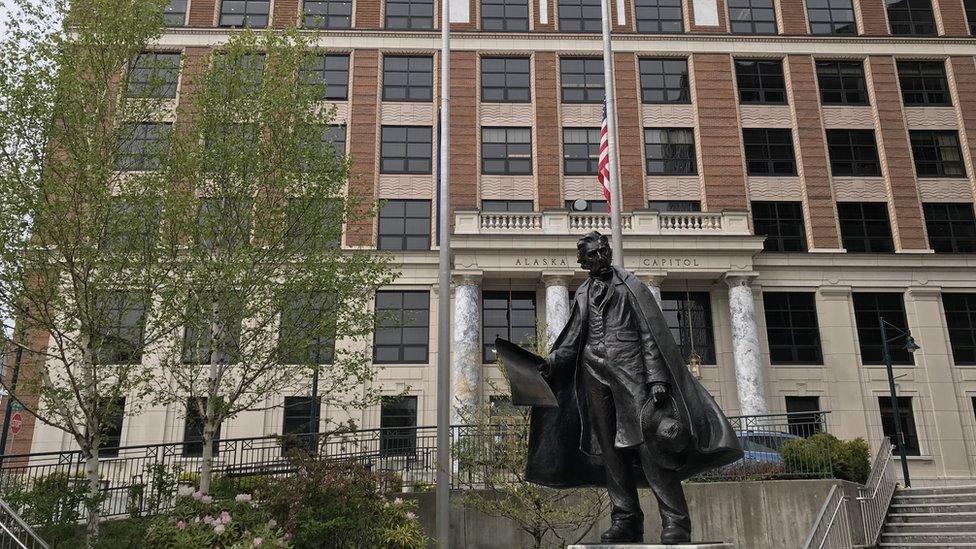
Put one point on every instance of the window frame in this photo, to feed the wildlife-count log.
(839, 67)
(909, 428)
(646, 75)
(869, 217)
(958, 225)
(410, 21)
(297, 435)
(775, 218)
(909, 26)
(246, 16)
(851, 155)
(659, 22)
(751, 6)
(787, 315)
(512, 324)
(929, 155)
(518, 151)
(506, 23)
(387, 216)
(803, 420)
(923, 83)
(398, 440)
(592, 159)
(760, 81)
(342, 15)
(767, 146)
(680, 153)
(168, 11)
(591, 85)
(318, 76)
(673, 305)
(423, 135)
(418, 72)
(890, 306)
(507, 89)
(589, 19)
(960, 318)
(421, 316)
(835, 27)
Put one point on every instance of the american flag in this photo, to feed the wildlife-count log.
(603, 165)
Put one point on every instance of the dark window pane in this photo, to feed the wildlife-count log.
(112, 412)
(937, 153)
(664, 80)
(831, 17)
(791, 328)
(923, 83)
(142, 146)
(579, 15)
(119, 319)
(951, 227)
(869, 308)
(398, 426)
(193, 429)
(670, 151)
(842, 83)
(960, 311)
(659, 16)
(906, 413)
(581, 150)
(853, 153)
(505, 15)
(674, 205)
(864, 227)
(506, 151)
(408, 78)
(752, 16)
(328, 14)
(689, 317)
(760, 81)
(911, 17)
(510, 315)
(405, 149)
(402, 334)
(410, 14)
(581, 79)
(244, 13)
(782, 225)
(300, 421)
(769, 151)
(153, 75)
(803, 419)
(329, 74)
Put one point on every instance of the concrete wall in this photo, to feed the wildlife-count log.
(752, 515)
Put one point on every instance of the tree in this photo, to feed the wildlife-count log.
(262, 288)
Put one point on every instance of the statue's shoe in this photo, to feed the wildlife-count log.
(620, 532)
(675, 534)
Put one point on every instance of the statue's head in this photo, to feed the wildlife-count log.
(593, 252)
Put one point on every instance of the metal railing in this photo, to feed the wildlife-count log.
(832, 528)
(15, 533)
(875, 497)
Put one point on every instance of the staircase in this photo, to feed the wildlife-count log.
(931, 517)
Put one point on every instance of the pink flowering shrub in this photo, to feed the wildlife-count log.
(200, 521)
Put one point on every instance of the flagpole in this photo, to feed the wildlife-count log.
(616, 240)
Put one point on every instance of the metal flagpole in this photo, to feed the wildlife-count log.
(616, 240)
(443, 494)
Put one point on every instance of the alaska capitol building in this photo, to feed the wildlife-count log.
(791, 170)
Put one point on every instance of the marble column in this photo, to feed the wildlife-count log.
(746, 352)
(653, 283)
(557, 305)
(466, 367)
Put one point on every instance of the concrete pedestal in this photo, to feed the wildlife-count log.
(691, 545)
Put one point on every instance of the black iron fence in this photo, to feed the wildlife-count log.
(143, 479)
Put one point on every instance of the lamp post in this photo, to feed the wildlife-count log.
(911, 347)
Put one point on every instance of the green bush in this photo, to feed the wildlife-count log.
(54, 504)
(845, 460)
(201, 521)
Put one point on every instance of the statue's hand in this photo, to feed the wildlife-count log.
(659, 393)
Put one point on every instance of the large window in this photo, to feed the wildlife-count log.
(132, 225)
(937, 153)
(951, 227)
(960, 312)
(119, 322)
(313, 224)
(505, 15)
(404, 225)
(769, 151)
(842, 83)
(689, 317)
(803, 419)
(328, 14)
(244, 13)
(308, 325)
(664, 80)
(579, 15)
(864, 227)
(792, 328)
(853, 153)
(868, 308)
(831, 17)
(223, 223)
(911, 17)
(506, 151)
(141, 146)
(113, 414)
(193, 429)
(760, 81)
(669, 151)
(300, 422)
(505, 80)
(923, 83)
(402, 327)
(906, 413)
(174, 14)
(659, 16)
(329, 74)
(410, 14)
(405, 149)
(971, 17)
(153, 75)
(782, 224)
(408, 78)
(246, 70)
(752, 16)
(201, 344)
(581, 80)
(581, 150)
(523, 206)
(509, 315)
(398, 424)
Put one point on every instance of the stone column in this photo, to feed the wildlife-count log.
(653, 283)
(466, 367)
(557, 305)
(745, 346)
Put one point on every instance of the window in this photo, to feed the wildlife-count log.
(506, 151)
(769, 151)
(674, 205)
(510, 315)
(133, 224)
(752, 16)
(951, 227)
(334, 136)
(579, 16)
(141, 146)
(247, 70)
(505, 15)
(308, 328)
(593, 206)
(244, 13)
(971, 17)
(402, 327)
(581, 80)
(664, 80)
(912, 17)
(300, 422)
(313, 224)
(697, 325)
(408, 78)
(328, 14)
(201, 345)
(906, 414)
(853, 153)
(193, 429)
(659, 16)
(223, 223)
(760, 81)
(868, 307)
(803, 419)
(329, 75)
(153, 75)
(791, 328)
(937, 153)
(404, 225)
(113, 414)
(831, 17)
(842, 83)
(505, 80)
(669, 151)
(581, 150)
(960, 312)
(410, 14)
(923, 83)
(864, 227)
(405, 149)
(782, 224)
(119, 321)
(174, 14)
(523, 206)
(398, 426)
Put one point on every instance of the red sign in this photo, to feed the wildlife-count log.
(16, 421)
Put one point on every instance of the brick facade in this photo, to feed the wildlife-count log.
(464, 131)
(547, 131)
(719, 134)
(363, 120)
(629, 132)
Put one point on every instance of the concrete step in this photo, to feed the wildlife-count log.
(961, 497)
(936, 490)
(949, 538)
(925, 527)
(899, 545)
(927, 518)
(968, 507)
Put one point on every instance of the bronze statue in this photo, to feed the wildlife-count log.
(626, 411)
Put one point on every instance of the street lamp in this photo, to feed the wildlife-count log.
(911, 347)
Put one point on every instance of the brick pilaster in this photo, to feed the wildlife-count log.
(363, 119)
(714, 29)
(464, 131)
(550, 25)
(874, 18)
(472, 23)
(286, 13)
(794, 17)
(368, 14)
(721, 139)
(203, 13)
(194, 68)
(547, 130)
(964, 77)
(629, 126)
(953, 17)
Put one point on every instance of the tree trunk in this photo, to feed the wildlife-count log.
(206, 467)
(93, 500)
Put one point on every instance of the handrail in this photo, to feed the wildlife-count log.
(827, 532)
(31, 537)
(881, 485)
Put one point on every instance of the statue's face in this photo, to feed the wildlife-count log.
(594, 257)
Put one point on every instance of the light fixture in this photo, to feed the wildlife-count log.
(694, 359)
(580, 205)
(910, 344)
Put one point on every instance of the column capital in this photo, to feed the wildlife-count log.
(467, 278)
(556, 278)
(740, 278)
(925, 292)
(655, 278)
(836, 291)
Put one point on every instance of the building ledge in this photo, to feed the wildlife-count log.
(638, 223)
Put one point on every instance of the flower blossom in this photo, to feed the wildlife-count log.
(224, 517)
(241, 498)
(197, 495)
(185, 490)
(206, 500)
(181, 525)
(208, 519)
(219, 529)
(258, 541)
(410, 515)
(397, 501)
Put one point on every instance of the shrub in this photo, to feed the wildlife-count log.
(53, 504)
(848, 460)
(200, 521)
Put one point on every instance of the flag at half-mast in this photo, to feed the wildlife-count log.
(603, 164)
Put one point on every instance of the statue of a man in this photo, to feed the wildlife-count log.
(629, 411)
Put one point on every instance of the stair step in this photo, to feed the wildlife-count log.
(927, 518)
(929, 527)
(933, 537)
(936, 490)
(900, 545)
(967, 507)
(962, 497)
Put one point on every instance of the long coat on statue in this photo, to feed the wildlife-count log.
(562, 451)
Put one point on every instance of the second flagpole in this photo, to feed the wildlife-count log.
(616, 238)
